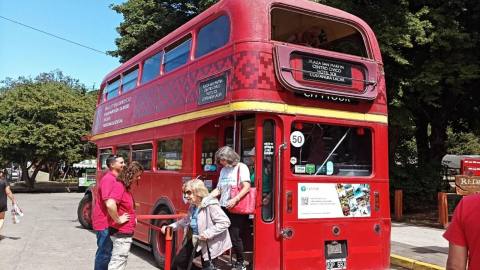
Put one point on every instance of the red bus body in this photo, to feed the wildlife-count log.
(258, 84)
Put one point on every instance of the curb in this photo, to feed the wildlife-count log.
(412, 264)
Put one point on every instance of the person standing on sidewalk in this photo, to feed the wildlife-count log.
(115, 165)
(122, 221)
(463, 235)
(5, 192)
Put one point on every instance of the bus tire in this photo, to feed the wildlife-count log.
(157, 239)
(84, 211)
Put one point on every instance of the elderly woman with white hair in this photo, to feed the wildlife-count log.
(232, 173)
(207, 224)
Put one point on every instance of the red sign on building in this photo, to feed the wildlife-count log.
(470, 167)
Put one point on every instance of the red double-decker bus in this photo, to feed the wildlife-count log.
(298, 89)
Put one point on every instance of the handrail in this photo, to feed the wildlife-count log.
(282, 147)
(168, 232)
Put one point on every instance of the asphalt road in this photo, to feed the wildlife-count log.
(49, 237)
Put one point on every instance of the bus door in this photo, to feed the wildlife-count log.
(266, 243)
(330, 219)
(209, 138)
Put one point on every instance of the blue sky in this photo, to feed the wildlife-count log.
(25, 52)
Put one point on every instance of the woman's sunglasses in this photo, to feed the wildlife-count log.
(187, 193)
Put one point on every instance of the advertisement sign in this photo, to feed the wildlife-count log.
(212, 90)
(330, 200)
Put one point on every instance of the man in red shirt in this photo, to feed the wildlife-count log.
(464, 235)
(115, 165)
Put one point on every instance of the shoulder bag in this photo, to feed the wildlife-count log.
(246, 205)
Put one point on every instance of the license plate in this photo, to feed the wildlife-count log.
(336, 264)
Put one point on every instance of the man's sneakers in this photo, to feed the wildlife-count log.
(239, 266)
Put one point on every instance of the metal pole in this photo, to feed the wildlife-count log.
(168, 247)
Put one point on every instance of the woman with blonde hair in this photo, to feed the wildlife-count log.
(122, 221)
(207, 225)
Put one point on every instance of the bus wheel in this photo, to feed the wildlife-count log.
(84, 211)
(157, 240)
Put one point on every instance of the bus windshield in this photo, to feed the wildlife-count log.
(311, 31)
(319, 149)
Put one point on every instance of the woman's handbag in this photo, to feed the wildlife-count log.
(246, 205)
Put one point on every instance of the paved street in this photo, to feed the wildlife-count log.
(49, 237)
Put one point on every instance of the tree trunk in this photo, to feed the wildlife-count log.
(26, 177)
(421, 137)
(53, 170)
(30, 179)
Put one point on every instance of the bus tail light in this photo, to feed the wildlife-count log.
(376, 198)
(289, 202)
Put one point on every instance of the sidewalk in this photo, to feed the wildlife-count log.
(45, 187)
(416, 247)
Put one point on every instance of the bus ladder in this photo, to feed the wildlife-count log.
(168, 232)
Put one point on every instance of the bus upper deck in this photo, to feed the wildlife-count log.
(222, 57)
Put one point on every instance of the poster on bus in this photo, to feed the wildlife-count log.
(330, 200)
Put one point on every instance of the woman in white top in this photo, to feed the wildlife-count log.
(233, 171)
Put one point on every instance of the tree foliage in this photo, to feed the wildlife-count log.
(147, 21)
(42, 121)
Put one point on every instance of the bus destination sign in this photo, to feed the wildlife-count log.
(212, 90)
(320, 69)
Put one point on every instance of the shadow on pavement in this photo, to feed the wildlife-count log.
(9, 237)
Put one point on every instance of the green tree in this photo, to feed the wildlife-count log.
(147, 21)
(43, 120)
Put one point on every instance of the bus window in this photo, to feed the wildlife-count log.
(319, 149)
(268, 171)
(229, 136)
(111, 90)
(169, 155)
(102, 157)
(209, 147)
(143, 154)
(213, 36)
(247, 145)
(311, 31)
(129, 80)
(124, 151)
(177, 54)
(151, 67)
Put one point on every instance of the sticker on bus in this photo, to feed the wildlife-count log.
(330, 200)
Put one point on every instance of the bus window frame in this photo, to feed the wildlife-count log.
(123, 146)
(114, 79)
(99, 154)
(205, 23)
(353, 24)
(142, 64)
(127, 71)
(151, 169)
(332, 122)
(157, 143)
(175, 44)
